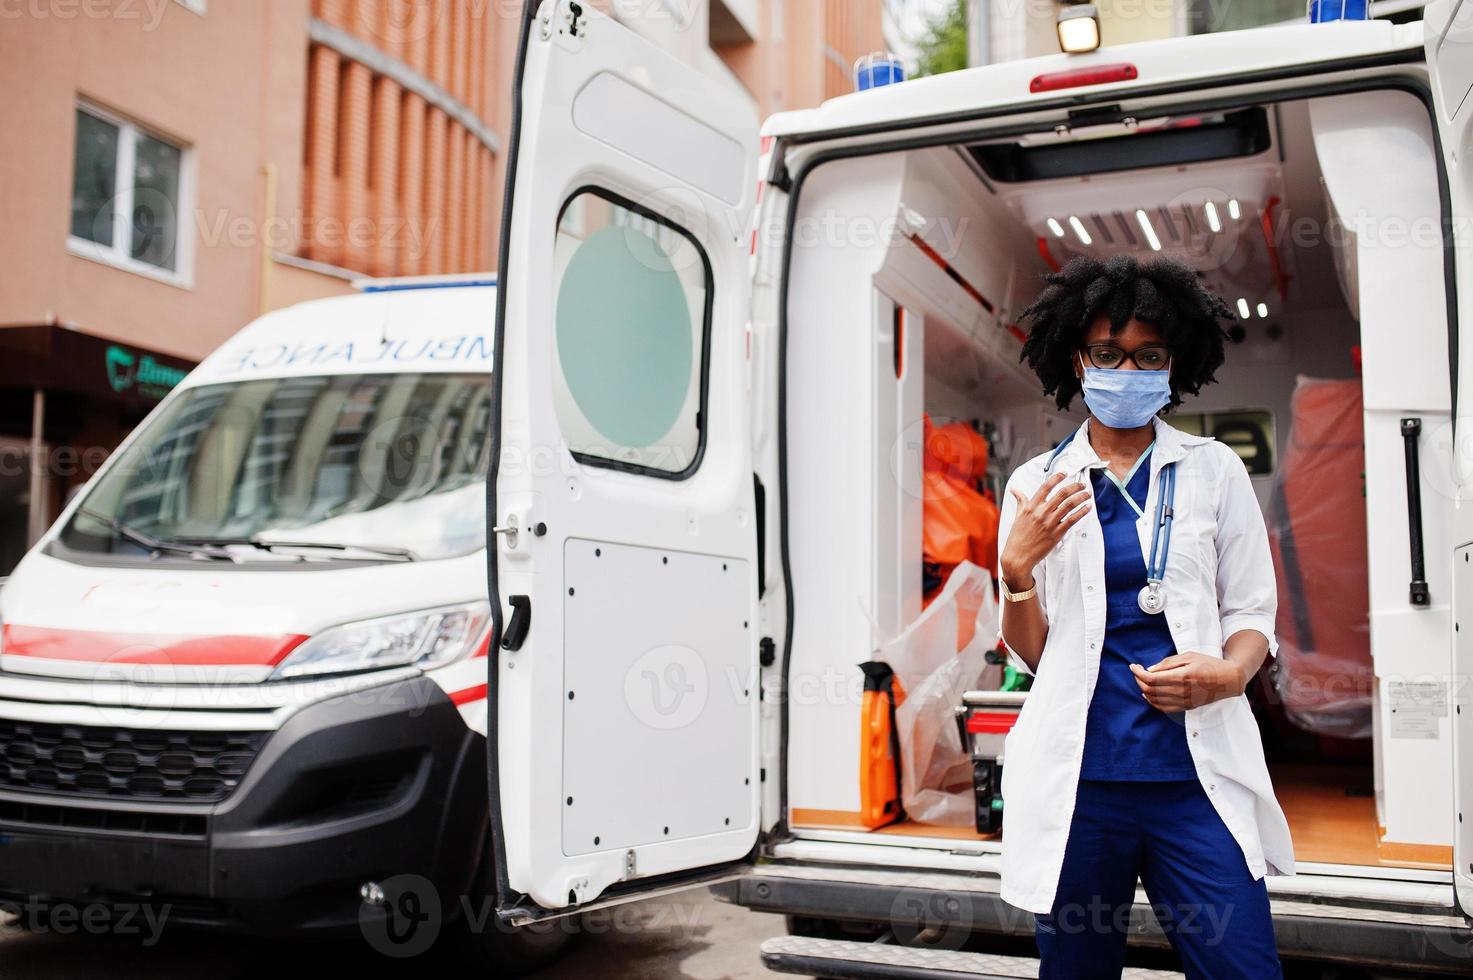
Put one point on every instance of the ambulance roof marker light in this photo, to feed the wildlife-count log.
(877, 69)
(1079, 230)
(1055, 227)
(1213, 221)
(1148, 230)
(1078, 28)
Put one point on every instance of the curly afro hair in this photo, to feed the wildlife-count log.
(1162, 292)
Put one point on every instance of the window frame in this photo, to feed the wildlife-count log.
(702, 418)
(117, 254)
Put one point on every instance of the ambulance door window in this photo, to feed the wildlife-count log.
(632, 315)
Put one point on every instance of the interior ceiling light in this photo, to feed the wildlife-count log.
(1079, 28)
(1148, 230)
(1243, 307)
(1263, 311)
(1078, 227)
(1233, 211)
(1056, 228)
(1212, 219)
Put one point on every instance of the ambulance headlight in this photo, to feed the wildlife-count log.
(1079, 28)
(427, 639)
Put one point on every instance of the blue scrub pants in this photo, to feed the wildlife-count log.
(1169, 836)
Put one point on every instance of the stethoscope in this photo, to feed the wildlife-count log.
(1152, 597)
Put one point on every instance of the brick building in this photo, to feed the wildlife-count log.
(178, 167)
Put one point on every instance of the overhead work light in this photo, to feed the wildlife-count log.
(1079, 28)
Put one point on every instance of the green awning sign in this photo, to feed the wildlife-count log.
(130, 371)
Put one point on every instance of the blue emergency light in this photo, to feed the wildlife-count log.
(877, 69)
(1324, 11)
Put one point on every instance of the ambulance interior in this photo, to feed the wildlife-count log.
(1339, 335)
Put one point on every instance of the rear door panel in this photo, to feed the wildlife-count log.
(625, 741)
(1449, 43)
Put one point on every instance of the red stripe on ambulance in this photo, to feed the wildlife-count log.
(166, 649)
(468, 695)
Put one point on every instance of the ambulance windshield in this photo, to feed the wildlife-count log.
(340, 467)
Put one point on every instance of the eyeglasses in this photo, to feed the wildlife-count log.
(1152, 357)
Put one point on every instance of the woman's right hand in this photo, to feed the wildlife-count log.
(1038, 527)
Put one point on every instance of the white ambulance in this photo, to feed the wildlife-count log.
(712, 372)
(243, 679)
(251, 666)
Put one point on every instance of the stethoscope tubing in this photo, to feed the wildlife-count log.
(1161, 532)
(1165, 515)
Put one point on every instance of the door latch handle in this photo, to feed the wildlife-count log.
(1411, 431)
(510, 529)
(515, 523)
(521, 621)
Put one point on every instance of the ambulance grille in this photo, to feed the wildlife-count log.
(120, 763)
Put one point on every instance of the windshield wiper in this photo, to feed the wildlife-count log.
(150, 543)
(271, 544)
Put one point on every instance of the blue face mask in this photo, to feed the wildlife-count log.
(1124, 399)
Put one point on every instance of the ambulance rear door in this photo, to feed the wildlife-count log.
(623, 683)
(1449, 40)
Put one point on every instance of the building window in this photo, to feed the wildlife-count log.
(632, 317)
(128, 196)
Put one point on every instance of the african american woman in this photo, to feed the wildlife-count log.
(1140, 594)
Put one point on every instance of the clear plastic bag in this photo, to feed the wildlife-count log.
(1317, 530)
(939, 657)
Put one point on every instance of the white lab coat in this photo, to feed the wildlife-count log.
(1219, 579)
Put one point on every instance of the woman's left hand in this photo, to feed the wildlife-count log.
(1188, 680)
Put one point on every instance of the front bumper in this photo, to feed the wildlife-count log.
(382, 782)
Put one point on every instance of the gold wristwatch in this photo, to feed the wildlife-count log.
(1017, 596)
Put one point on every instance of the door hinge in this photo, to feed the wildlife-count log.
(568, 18)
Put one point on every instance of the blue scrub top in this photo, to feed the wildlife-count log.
(1125, 738)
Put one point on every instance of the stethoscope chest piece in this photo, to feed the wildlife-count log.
(1152, 598)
